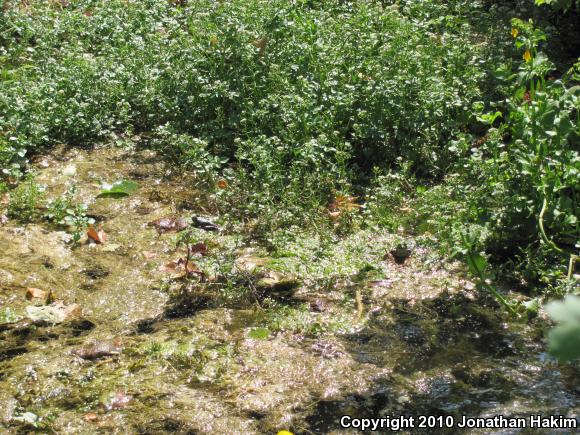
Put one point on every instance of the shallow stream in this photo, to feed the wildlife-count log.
(424, 342)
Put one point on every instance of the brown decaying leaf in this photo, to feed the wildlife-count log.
(39, 294)
(96, 235)
(169, 225)
(181, 268)
(198, 248)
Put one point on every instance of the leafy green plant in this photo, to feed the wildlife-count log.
(544, 125)
(516, 185)
(26, 200)
(64, 210)
(78, 220)
(58, 208)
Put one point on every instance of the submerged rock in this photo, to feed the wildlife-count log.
(6, 278)
(278, 283)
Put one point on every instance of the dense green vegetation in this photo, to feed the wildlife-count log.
(446, 120)
(256, 216)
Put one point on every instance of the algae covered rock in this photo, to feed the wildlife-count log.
(56, 312)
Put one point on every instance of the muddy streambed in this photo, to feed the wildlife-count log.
(416, 341)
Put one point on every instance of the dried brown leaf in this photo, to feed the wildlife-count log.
(96, 235)
(39, 295)
(199, 248)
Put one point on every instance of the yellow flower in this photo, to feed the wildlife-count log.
(527, 56)
(285, 432)
(515, 32)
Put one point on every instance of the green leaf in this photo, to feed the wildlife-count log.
(476, 264)
(259, 333)
(489, 118)
(119, 189)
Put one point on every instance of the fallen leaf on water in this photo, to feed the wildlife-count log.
(38, 295)
(99, 349)
(56, 312)
(119, 400)
(169, 225)
(97, 235)
(180, 268)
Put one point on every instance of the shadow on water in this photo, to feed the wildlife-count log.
(451, 356)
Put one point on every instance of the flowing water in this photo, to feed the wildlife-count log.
(422, 343)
